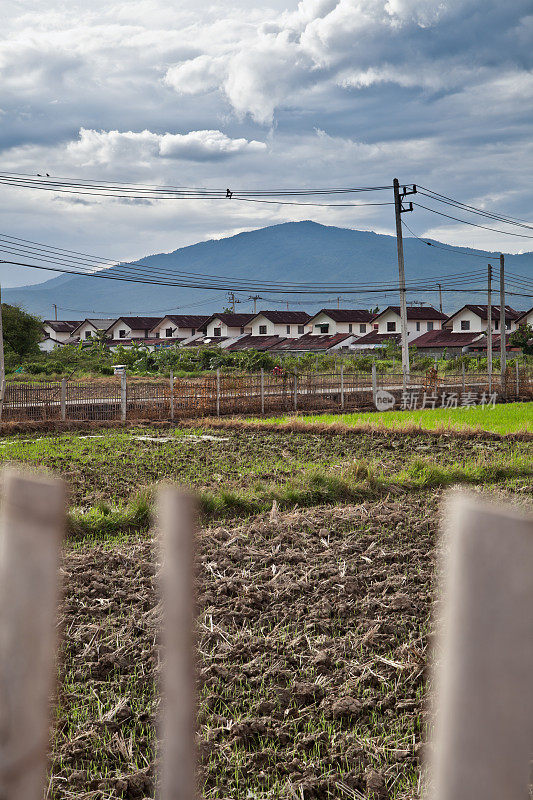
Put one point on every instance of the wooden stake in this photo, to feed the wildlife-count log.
(172, 395)
(484, 702)
(63, 399)
(123, 397)
(32, 529)
(176, 520)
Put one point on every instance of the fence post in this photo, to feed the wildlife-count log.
(517, 373)
(176, 523)
(32, 529)
(123, 396)
(262, 390)
(218, 392)
(374, 382)
(342, 386)
(463, 376)
(172, 395)
(484, 710)
(63, 399)
(295, 391)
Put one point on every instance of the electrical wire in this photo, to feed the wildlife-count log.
(472, 224)
(442, 198)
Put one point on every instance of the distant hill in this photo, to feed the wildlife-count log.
(294, 251)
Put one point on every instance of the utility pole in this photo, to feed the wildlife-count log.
(2, 362)
(231, 298)
(489, 329)
(54, 306)
(338, 302)
(440, 296)
(503, 327)
(399, 209)
(255, 298)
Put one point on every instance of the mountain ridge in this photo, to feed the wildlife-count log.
(300, 252)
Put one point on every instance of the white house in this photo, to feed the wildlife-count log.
(228, 325)
(525, 318)
(280, 323)
(356, 321)
(179, 326)
(90, 327)
(59, 330)
(420, 319)
(132, 327)
(474, 318)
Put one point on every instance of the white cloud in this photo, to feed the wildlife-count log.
(109, 147)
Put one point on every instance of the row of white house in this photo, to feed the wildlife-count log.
(290, 330)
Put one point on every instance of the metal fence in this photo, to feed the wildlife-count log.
(258, 393)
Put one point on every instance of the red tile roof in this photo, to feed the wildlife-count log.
(415, 312)
(285, 317)
(378, 338)
(254, 343)
(232, 320)
(347, 314)
(311, 341)
(444, 338)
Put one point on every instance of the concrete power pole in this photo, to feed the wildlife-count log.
(503, 327)
(54, 306)
(489, 329)
(440, 296)
(401, 270)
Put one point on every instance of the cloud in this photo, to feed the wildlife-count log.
(106, 147)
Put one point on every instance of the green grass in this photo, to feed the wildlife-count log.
(353, 483)
(503, 418)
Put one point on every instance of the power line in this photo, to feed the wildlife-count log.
(442, 198)
(473, 224)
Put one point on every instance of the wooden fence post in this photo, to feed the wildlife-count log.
(484, 660)
(176, 522)
(517, 374)
(342, 386)
(218, 392)
(172, 395)
(262, 390)
(463, 383)
(32, 528)
(123, 397)
(63, 399)
(295, 391)
(374, 382)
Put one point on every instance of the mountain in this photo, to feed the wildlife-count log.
(299, 252)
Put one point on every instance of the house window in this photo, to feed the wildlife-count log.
(122, 334)
(217, 332)
(350, 327)
(391, 326)
(497, 324)
(300, 329)
(508, 325)
(262, 330)
(288, 328)
(418, 326)
(168, 332)
(242, 330)
(375, 327)
(88, 334)
(430, 326)
(323, 328)
(193, 331)
(362, 328)
(465, 324)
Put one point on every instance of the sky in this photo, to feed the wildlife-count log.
(248, 94)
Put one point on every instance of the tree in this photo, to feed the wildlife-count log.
(22, 331)
(523, 337)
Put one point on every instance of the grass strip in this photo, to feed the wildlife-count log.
(355, 483)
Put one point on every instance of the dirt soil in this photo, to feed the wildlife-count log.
(312, 650)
